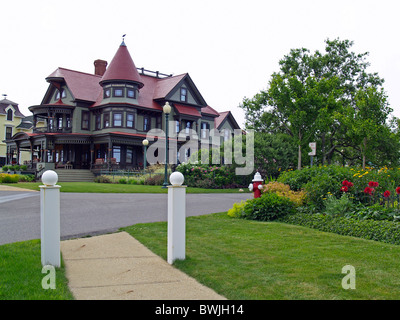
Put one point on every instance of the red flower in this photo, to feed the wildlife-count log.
(373, 184)
(386, 194)
(344, 189)
(398, 190)
(368, 190)
(346, 183)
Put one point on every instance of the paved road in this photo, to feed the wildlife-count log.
(89, 213)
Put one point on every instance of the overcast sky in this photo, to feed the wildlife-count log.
(230, 48)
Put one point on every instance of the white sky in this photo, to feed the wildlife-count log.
(230, 48)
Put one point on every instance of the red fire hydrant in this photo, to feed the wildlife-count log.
(256, 185)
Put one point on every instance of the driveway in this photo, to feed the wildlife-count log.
(90, 213)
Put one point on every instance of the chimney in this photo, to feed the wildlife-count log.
(100, 67)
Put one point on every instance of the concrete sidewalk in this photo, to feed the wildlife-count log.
(118, 267)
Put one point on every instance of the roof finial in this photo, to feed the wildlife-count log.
(123, 40)
(4, 95)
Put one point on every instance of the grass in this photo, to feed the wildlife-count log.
(239, 259)
(92, 187)
(21, 274)
(252, 260)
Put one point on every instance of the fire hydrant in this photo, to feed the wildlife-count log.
(256, 185)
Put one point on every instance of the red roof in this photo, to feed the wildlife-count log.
(122, 67)
(83, 86)
(221, 118)
(210, 111)
(189, 111)
(165, 85)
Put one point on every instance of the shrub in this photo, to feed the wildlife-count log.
(283, 190)
(338, 207)
(9, 178)
(5, 168)
(102, 179)
(26, 178)
(384, 231)
(122, 181)
(268, 207)
(237, 210)
(155, 180)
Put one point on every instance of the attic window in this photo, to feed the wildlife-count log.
(63, 94)
(183, 94)
(9, 115)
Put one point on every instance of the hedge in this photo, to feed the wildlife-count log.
(384, 231)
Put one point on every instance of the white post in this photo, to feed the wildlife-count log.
(50, 219)
(176, 218)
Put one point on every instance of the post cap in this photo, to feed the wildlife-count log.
(49, 178)
(176, 179)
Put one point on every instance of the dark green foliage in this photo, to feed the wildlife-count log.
(384, 231)
(268, 207)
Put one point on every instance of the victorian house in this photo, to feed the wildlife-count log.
(101, 119)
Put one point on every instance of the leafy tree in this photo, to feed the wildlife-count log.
(317, 96)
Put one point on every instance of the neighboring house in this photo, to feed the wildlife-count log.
(12, 121)
(103, 118)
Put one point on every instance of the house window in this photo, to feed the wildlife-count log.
(131, 93)
(118, 92)
(183, 94)
(8, 133)
(188, 126)
(227, 134)
(10, 115)
(107, 93)
(130, 120)
(63, 94)
(117, 119)
(85, 120)
(59, 122)
(106, 120)
(98, 121)
(117, 153)
(68, 120)
(129, 155)
(158, 122)
(146, 123)
(205, 126)
(177, 126)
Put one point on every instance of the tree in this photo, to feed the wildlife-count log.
(316, 96)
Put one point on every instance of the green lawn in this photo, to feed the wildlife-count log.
(252, 260)
(21, 274)
(92, 187)
(239, 259)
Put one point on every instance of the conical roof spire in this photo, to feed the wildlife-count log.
(122, 68)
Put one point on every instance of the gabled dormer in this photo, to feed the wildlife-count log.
(185, 92)
(121, 81)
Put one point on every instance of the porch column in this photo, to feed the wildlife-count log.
(109, 155)
(91, 155)
(17, 156)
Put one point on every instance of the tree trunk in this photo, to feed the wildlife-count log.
(299, 160)
(323, 148)
(363, 151)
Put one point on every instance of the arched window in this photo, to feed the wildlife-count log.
(10, 115)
